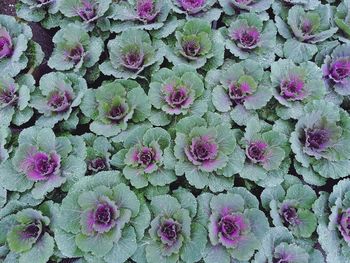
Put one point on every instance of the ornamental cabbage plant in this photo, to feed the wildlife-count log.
(43, 162)
(303, 30)
(75, 49)
(17, 50)
(101, 219)
(320, 143)
(176, 93)
(333, 212)
(57, 99)
(114, 105)
(14, 99)
(144, 157)
(196, 44)
(175, 234)
(130, 54)
(290, 205)
(295, 85)
(235, 225)
(206, 153)
(249, 36)
(241, 89)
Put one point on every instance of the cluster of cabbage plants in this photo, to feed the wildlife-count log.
(175, 131)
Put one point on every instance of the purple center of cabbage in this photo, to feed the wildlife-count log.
(146, 10)
(6, 48)
(133, 60)
(202, 149)
(192, 6)
(103, 214)
(75, 54)
(344, 225)
(230, 228)
(292, 88)
(97, 164)
(169, 231)
(340, 70)
(8, 96)
(191, 48)
(306, 26)
(146, 156)
(238, 93)
(247, 38)
(256, 151)
(117, 113)
(317, 139)
(87, 12)
(32, 231)
(290, 215)
(60, 101)
(176, 97)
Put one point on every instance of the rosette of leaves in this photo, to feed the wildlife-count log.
(235, 7)
(196, 9)
(43, 162)
(303, 30)
(281, 8)
(280, 246)
(266, 153)
(44, 11)
(114, 105)
(333, 213)
(336, 72)
(241, 89)
(176, 92)
(197, 45)
(17, 50)
(75, 49)
(175, 234)
(248, 36)
(130, 54)
(27, 234)
(342, 17)
(234, 223)
(321, 143)
(143, 157)
(290, 205)
(206, 153)
(57, 98)
(101, 219)
(89, 13)
(14, 99)
(295, 85)
(150, 15)
(99, 151)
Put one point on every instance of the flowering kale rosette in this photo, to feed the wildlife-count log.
(206, 152)
(333, 212)
(14, 99)
(175, 234)
(101, 219)
(58, 96)
(235, 225)
(114, 105)
(196, 44)
(241, 89)
(98, 153)
(26, 235)
(232, 7)
(43, 162)
(321, 143)
(342, 17)
(89, 13)
(281, 8)
(196, 9)
(336, 71)
(290, 205)
(75, 49)
(303, 30)
(266, 150)
(130, 53)
(295, 85)
(148, 15)
(176, 92)
(143, 157)
(17, 50)
(279, 246)
(37, 10)
(249, 36)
